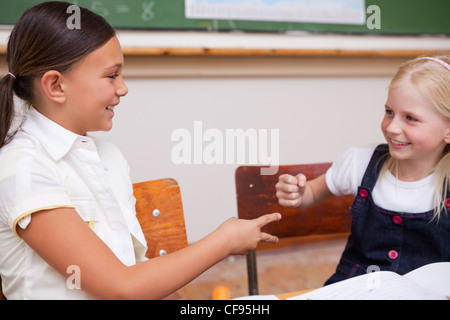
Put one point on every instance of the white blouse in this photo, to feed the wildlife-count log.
(46, 166)
(346, 174)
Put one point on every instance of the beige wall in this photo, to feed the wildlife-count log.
(317, 118)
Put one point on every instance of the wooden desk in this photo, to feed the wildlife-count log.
(284, 296)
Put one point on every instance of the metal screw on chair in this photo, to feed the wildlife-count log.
(156, 213)
(162, 252)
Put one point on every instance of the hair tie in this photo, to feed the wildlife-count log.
(445, 64)
(12, 75)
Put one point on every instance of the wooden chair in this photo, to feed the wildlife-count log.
(160, 213)
(256, 195)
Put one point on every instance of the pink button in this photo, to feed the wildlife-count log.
(363, 193)
(397, 219)
(393, 254)
(447, 202)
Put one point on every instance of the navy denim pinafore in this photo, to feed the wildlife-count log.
(394, 241)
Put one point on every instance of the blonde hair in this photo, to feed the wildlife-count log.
(432, 79)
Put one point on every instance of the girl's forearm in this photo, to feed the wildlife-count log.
(166, 274)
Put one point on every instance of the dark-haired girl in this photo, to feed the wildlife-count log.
(68, 227)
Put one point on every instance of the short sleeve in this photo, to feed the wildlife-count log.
(346, 173)
(28, 183)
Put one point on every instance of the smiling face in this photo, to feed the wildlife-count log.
(93, 87)
(415, 131)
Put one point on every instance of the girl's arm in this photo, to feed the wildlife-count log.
(62, 239)
(296, 192)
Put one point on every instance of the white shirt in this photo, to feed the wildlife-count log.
(346, 174)
(46, 166)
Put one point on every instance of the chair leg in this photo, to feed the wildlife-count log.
(252, 273)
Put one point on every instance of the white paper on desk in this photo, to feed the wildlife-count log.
(427, 283)
(258, 297)
(435, 277)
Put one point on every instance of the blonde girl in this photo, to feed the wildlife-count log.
(399, 217)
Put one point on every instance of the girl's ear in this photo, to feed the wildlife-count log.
(51, 85)
(447, 136)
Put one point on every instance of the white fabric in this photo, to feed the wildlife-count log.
(47, 166)
(346, 174)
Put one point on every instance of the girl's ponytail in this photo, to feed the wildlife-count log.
(6, 108)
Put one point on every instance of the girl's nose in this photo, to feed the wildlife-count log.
(394, 127)
(122, 90)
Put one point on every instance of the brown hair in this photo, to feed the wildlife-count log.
(39, 42)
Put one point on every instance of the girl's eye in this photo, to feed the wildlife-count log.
(389, 112)
(113, 76)
(410, 118)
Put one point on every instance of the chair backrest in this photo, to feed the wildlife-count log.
(160, 213)
(256, 195)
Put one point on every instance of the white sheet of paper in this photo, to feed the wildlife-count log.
(429, 282)
(435, 277)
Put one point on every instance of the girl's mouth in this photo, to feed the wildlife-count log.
(110, 110)
(398, 144)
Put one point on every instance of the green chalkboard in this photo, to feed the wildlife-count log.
(397, 17)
